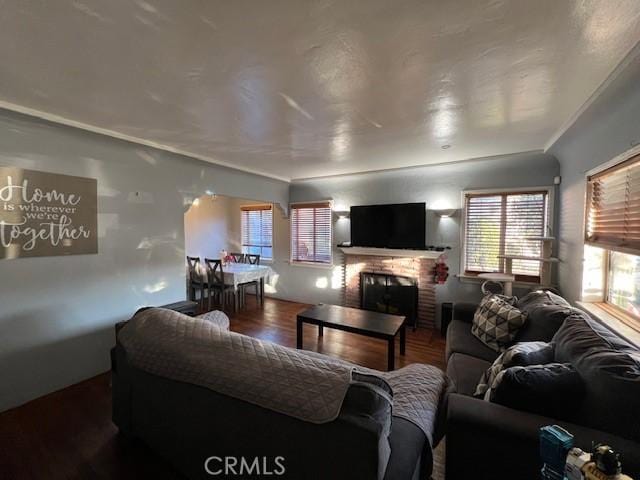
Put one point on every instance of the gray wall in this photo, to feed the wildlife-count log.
(206, 227)
(439, 185)
(57, 313)
(609, 127)
(214, 224)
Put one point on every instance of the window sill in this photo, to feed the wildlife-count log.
(605, 317)
(473, 279)
(323, 266)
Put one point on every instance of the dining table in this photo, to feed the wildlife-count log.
(240, 273)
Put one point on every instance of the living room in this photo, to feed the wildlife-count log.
(356, 189)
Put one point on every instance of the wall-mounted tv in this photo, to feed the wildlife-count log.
(389, 226)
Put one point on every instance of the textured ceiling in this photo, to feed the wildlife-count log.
(298, 88)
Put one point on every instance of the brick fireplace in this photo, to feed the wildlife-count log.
(419, 268)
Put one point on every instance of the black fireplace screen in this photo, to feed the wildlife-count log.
(382, 292)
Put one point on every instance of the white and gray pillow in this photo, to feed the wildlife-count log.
(496, 322)
(520, 354)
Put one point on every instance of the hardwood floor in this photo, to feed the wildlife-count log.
(69, 435)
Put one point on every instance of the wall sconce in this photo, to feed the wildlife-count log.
(211, 194)
(342, 214)
(445, 212)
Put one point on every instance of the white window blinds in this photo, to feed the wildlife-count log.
(504, 224)
(613, 208)
(311, 232)
(257, 230)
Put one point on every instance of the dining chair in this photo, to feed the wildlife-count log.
(238, 257)
(215, 281)
(253, 259)
(195, 280)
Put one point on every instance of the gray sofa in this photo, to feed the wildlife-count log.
(487, 440)
(187, 423)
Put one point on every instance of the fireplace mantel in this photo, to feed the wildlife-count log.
(391, 252)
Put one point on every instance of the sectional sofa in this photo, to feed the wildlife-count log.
(487, 440)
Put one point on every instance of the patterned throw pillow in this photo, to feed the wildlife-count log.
(520, 354)
(510, 300)
(496, 322)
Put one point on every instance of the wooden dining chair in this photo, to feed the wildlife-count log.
(195, 280)
(238, 257)
(215, 281)
(252, 259)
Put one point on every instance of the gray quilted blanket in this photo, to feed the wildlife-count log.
(298, 383)
(194, 350)
(417, 391)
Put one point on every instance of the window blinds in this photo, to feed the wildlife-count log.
(311, 232)
(257, 226)
(613, 208)
(503, 224)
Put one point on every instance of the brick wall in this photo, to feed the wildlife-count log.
(419, 268)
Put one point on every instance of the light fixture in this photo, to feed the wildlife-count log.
(214, 196)
(342, 214)
(444, 147)
(445, 212)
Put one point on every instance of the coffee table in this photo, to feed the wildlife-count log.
(354, 320)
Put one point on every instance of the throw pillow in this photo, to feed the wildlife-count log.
(545, 314)
(610, 367)
(520, 354)
(216, 317)
(552, 390)
(510, 300)
(496, 322)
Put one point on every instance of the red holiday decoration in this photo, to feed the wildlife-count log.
(441, 270)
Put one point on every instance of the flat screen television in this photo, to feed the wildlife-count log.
(389, 226)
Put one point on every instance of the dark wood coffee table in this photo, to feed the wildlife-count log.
(354, 320)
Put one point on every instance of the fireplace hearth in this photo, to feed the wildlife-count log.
(388, 293)
(417, 267)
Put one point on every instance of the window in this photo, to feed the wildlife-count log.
(623, 286)
(505, 223)
(612, 240)
(257, 230)
(311, 233)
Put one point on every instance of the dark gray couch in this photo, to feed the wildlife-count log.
(186, 424)
(490, 441)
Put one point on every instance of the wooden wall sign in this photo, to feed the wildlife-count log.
(47, 214)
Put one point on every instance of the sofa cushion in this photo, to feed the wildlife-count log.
(464, 311)
(538, 297)
(545, 314)
(465, 371)
(610, 368)
(409, 451)
(461, 340)
(552, 390)
(496, 322)
(520, 354)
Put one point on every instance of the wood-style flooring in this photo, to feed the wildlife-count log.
(69, 435)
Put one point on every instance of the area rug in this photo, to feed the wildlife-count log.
(438, 461)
